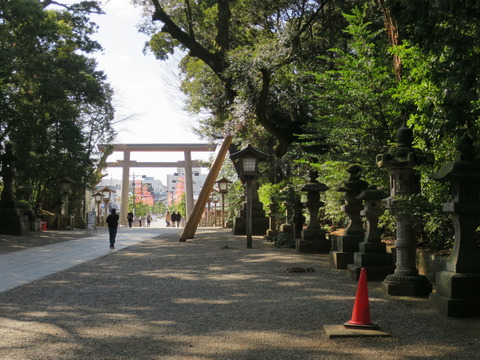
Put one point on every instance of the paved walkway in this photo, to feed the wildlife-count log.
(21, 267)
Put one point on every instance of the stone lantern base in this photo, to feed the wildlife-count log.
(313, 242)
(457, 294)
(271, 232)
(259, 226)
(346, 246)
(260, 223)
(407, 285)
(374, 258)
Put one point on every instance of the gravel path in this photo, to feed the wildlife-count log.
(211, 298)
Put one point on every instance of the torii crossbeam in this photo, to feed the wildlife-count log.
(126, 164)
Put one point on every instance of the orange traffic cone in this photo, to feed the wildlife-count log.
(361, 308)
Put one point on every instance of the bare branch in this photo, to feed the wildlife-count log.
(213, 60)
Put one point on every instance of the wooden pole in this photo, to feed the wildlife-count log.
(223, 210)
(248, 214)
(193, 221)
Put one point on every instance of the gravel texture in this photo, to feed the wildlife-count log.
(212, 298)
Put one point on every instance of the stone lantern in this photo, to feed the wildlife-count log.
(272, 231)
(289, 193)
(372, 253)
(255, 222)
(223, 189)
(98, 196)
(313, 239)
(64, 216)
(400, 162)
(458, 286)
(347, 244)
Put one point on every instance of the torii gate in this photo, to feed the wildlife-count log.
(126, 164)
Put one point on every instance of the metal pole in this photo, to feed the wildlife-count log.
(249, 212)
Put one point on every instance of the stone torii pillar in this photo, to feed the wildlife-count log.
(125, 185)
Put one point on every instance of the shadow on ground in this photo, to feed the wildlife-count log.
(211, 298)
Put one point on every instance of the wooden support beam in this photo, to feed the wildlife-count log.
(194, 220)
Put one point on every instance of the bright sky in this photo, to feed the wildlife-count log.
(146, 90)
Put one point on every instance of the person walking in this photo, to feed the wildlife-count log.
(168, 218)
(149, 219)
(112, 221)
(179, 218)
(174, 218)
(130, 219)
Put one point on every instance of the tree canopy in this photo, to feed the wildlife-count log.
(325, 83)
(54, 104)
(242, 60)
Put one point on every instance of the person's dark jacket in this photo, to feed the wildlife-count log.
(112, 220)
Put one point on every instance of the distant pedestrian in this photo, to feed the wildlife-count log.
(149, 219)
(130, 219)
(179, 218)
(174, 219)
(168, 218)
(140, 221)
(112, 221)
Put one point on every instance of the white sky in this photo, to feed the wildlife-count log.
(146, 89)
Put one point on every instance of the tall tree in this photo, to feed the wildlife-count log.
(54, 102)
(242, 59)
(355, 108)
(447, 32)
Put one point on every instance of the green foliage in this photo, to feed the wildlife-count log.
(332, 174)
(300, 78)
(271, 194)
(55, 105)
(159, 208)
(284, 240)
(243, 62)
(447, 33)
(355, 110)
(234, 199)
(433, 228)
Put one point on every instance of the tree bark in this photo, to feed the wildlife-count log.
(392, 31)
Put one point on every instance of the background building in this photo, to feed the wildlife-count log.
(147, 190)
(176, 184)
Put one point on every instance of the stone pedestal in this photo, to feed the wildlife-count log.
(260, 222)
(458, 295)
(313, 238)
(372, 253)
(347, 244)
(314, 242)
(458, 286)
(400, 162)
